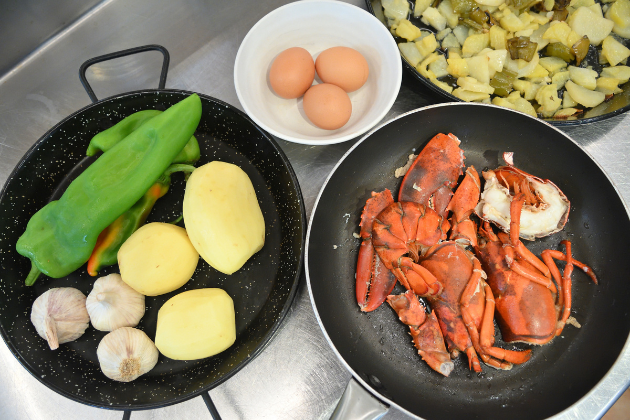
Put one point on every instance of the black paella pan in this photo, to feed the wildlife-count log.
(377, 348)
(262, 290)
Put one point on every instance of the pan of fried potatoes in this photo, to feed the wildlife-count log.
(565, 61)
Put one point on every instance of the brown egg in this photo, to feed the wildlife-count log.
(292, 73)
(342, 66)
(327, 106)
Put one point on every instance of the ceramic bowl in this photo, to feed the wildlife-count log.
(316, 26)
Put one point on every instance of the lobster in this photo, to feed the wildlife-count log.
(413, 242)
(409, 237)
(531, 308)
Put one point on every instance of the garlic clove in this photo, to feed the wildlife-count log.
(112, 304)
(59, 315)
(126, 353)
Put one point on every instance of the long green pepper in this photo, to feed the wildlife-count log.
(107, 139)
(113, 236)
(60, 237)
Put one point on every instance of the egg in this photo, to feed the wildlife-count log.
(327, 106)
(342, 66)
(292, 73)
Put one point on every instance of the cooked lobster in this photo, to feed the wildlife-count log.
(415, 242)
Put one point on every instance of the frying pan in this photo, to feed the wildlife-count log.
(377, 348)
(262, 290)
(619, 104)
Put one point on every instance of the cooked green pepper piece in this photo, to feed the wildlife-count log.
(107, 139)
(560, 15)
(471, 24)
(479, 16)
(60, 237)
(521, 4)
(558, 49)
(502, 82)
(561, 4)
(113, 236)
(522, 47)
(580, 49)
(463, 7)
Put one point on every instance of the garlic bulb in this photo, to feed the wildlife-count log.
(59, 315)
(112, 304)
(126, 353)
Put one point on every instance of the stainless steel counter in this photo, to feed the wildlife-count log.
(297, 376)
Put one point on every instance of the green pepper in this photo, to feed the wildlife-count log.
(521, 4)
(521, 47)
(107, 139)
(471, 24)
(558, 49)
(60, 237)
(463, 7)
(113, 236)
(580, 49)
(502, 82)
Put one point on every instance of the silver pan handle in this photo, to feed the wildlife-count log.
(358, 404)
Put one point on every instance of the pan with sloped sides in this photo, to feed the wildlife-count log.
(377, 348)
(262, 289)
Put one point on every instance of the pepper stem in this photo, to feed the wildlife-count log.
(32, 275)
(179, 167)
(176, 221)
(165, 178)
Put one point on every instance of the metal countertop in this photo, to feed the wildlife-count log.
(298, 375)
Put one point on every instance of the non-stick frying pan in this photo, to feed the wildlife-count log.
(377, 348)
(262, 290)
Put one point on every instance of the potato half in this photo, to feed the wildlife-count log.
(196, 324)
(158, 258)
(222, 216)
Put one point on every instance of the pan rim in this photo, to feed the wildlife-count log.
(272, 331)
(620, 362)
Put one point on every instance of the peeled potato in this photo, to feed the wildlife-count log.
(196, 324)
(158, 258)
(222, 216)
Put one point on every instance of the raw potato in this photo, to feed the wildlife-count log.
(222, 216)
(158, 258)
(196, 324)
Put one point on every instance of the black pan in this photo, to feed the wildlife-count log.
(619, 104)
(377, 348)
(262, 290)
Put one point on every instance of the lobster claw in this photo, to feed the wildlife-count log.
(425, 331)
(373, 280)
(434, 173)
(462, 205)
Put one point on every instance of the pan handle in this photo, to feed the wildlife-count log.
(119, 54)
(211, 408)
(358, 404)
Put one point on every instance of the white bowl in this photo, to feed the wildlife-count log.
(316, 25)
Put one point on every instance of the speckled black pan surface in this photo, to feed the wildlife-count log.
(262, 290)
(377, 347)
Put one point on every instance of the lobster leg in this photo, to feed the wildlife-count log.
(487, 335)
(561, 257)
(515, 222)
(417, 278)
(425, 331)
(373, 280)
(483, 340)
(565, 280)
